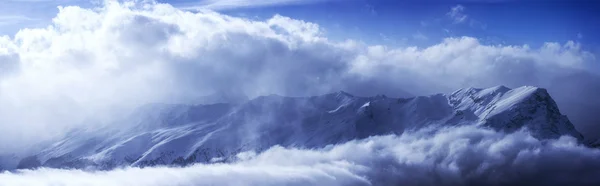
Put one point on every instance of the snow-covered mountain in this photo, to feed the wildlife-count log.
(161, 134)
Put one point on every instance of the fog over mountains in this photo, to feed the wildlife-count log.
(491, 134)
(144, 93)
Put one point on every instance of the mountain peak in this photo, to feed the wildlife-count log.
(511, 109)
(341, 94)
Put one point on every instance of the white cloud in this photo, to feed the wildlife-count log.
(234, 4)
(457, 14)
(451, 156)
(218, 174)
(17, 14)
(93, 64)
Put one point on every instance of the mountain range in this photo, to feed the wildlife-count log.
(180, 134)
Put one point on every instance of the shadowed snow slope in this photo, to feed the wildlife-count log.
(184, 134)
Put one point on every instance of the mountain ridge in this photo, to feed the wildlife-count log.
(178, 134)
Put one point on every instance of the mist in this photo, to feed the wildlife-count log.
(93, 65)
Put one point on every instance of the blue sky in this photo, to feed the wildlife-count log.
(511, 22)
(426, 23)
(404, 22)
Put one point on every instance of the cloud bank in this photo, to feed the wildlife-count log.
(93, 65)
(450, 156)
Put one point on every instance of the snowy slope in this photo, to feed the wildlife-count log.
(183, 134)
(506, 109)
